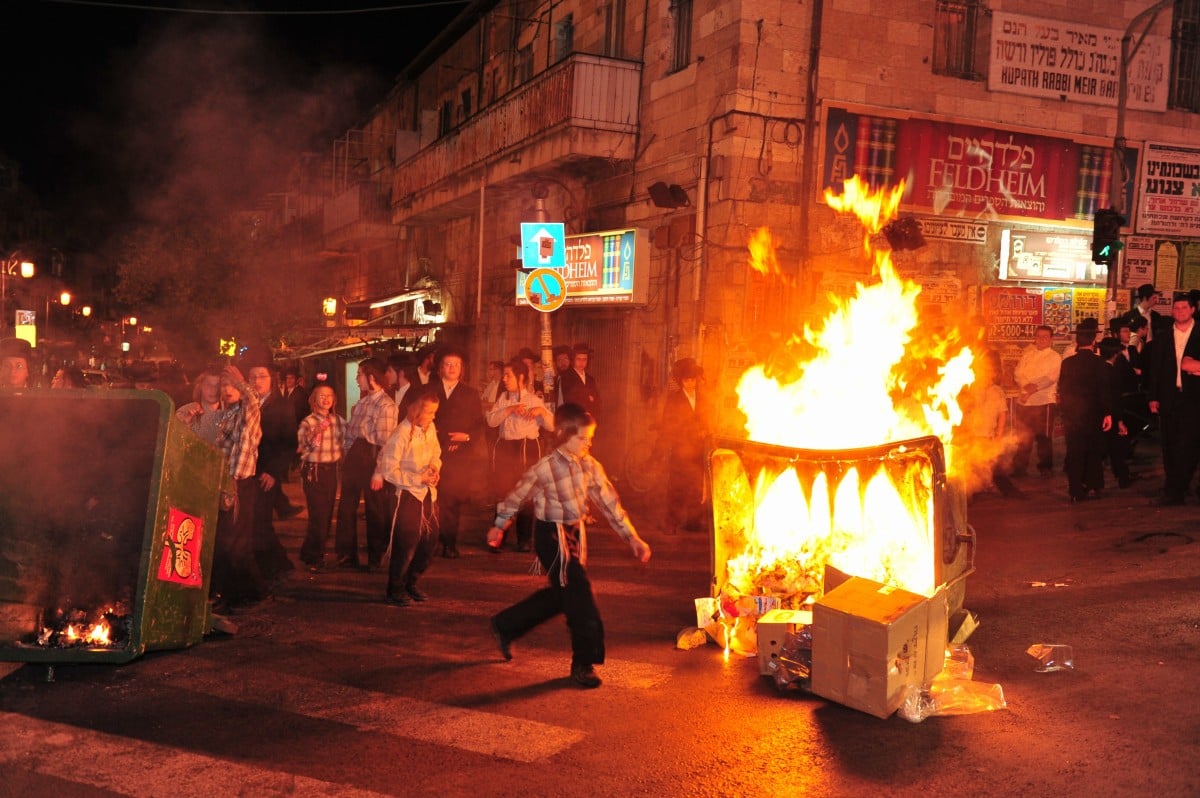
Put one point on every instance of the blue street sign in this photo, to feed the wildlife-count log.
(543, 245)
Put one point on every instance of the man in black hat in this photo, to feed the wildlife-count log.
(15, 354)
(578, 384)
(1085, 401)
(684, 433)
(1146, 299)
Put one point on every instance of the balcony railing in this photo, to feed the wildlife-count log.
(584, 92)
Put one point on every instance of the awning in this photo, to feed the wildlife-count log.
(384, 329)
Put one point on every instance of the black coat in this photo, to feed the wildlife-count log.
(575, 391)
(1085, 391)
(278, 443)
(1160, 385)
(462, 411)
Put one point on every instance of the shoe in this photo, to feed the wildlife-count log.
(584, 676)
(416, 593)
(348, 564)
(524, 547)
(504, 644)
(398, 601)
(495, 549)
(450, 552)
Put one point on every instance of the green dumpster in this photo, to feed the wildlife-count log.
(108, 514)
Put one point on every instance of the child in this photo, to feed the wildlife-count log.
(560, 485)
(520, 416)
(411, 460)
(321, 436)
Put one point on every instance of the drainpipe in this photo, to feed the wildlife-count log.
(479, 275)
(808, 170)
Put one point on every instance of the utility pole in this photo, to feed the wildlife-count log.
(546, 337)
(1129, 49)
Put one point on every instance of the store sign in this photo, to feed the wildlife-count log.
(1012, 314)
(954, 230)
(968, 172)
(611, 267)
(1070, 61)
(1169, 200)
(1048, 256)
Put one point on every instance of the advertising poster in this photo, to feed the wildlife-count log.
(1011, 314)
(1137, 262)
(1169, 199)
(1189, 268)
(1166, 267)
(1088, 303)
(1058, 311)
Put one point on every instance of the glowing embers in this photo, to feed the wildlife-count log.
(79, 628)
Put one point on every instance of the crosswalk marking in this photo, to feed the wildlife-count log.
(467, 729)
(128, 766)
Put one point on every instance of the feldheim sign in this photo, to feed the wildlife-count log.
(611, 267)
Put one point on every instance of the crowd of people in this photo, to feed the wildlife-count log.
(1108, 390)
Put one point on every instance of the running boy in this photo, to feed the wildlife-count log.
(560, 485)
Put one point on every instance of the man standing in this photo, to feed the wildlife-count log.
(1085, 395)
(1037, 375)
(275, 452)
(460, 425)
(578, 384)
(1143, 311)
(371, 422)
(1174, 392)
(14, 363)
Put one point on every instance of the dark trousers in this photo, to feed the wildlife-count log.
(450, 507)
(235, 575)
(1085, 460)
(574, 599)
(320, 481)
(357, 468)
(510, 460)
(1117, 448)
(1036, 424)
(272, 556)
(414, 536)
(1179, 430)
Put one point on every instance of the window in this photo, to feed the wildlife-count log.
(466, 104)
(1185, 56)
(564, 38)
(681, 29)
(445, 118)
(956, 32)
(523, 69)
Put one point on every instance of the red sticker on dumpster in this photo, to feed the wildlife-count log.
(181, 550)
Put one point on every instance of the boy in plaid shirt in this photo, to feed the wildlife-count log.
(559, 485)
(321, 437)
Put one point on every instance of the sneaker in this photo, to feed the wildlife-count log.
(398, 601)
(416, 593)
(504, 644)
(584, 676)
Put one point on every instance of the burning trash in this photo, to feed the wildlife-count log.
(78, 628)
(850, 464)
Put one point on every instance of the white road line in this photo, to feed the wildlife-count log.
(127, 766)
(467, 729)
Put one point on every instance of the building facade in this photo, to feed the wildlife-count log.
(691, 124)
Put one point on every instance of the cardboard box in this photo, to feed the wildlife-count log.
(870, 641)
(773, 629)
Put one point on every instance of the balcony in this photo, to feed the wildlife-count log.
(582, 109)
(358, 218)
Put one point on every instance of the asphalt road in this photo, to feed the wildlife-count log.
(328, 691)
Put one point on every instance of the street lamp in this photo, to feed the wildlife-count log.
(12, 266)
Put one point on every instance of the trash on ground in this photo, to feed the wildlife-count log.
(1066, 581)
(952, 692)
(691, 637)
(1052, 657)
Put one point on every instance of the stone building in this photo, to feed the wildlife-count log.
(693, 123)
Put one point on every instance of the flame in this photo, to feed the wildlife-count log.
(99, 634)
(762, 252)
(862, 378)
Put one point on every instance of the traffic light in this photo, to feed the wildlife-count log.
(1106, 235)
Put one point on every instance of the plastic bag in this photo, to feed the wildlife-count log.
(1052, 657)
(948, 696)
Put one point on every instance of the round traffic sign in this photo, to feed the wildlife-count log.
(546, 290)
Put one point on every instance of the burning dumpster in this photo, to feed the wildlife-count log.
(108, 508)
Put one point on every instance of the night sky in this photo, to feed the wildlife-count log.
(118, 113)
